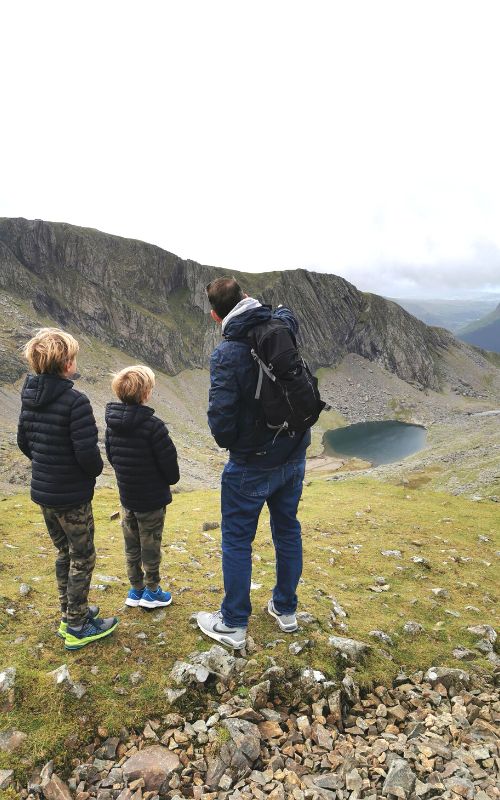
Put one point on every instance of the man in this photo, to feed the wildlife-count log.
(264, 466)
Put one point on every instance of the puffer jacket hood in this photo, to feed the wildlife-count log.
(40, 390)
(123, 417)
(238, 327)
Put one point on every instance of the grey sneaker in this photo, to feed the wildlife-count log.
(287, 622)
(213, 625)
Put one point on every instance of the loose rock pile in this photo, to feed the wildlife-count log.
(429, 735)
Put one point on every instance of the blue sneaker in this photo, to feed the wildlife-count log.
(134, 597)
(156, 599)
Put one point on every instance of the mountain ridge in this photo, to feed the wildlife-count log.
(151, 303)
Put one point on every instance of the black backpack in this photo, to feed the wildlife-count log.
(286, 388)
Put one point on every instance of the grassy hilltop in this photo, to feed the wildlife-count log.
(346, 525)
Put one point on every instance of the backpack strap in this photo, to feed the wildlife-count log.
(262, 369)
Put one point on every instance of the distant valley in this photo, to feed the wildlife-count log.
(451, 314)
(484, 332)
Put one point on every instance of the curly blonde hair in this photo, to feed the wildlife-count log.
(50, 350)
(133, 384)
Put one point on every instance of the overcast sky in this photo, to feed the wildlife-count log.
(360, 138)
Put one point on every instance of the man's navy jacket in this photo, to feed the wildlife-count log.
(234, 416)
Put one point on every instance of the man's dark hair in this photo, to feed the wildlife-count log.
(224, 294)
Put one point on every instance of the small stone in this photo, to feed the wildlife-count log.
(61, 677)
(412, 628)
(210, 526)
(270, 729)
(381, 636)
(448, 677)
(398, 712)
(24, 589)
(259, 694)
(321, 736)
(173, 695)
(350, 649)
(439, 592)
(6, 778)
(391, 553)
(337, 609)
(421, 789)
(153, 764)
(479, 752)
(11, 740)
(149, 733)
(304, 726)
(460, 786)
(486, 631)
(184, 673)
(7, 679)
(56, 789)
(421, 560)
(297, 647)
(225, 783)
(400, 779)
(464, 654)
(353, 781)
(217, 661)
(304, 618)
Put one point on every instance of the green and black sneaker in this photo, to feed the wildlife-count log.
(62, 630)
(91, 631)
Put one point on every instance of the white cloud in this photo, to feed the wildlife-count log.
(359, 138)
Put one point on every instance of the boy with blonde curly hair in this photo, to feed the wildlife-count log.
(145, 462)
(57, 432)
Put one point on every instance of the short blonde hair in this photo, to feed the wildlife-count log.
(133, 384)
(50, 350)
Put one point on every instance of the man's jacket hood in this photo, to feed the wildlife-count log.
(123, 417)
(238, 327)
(40, 390)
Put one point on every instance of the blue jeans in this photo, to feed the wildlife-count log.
(244, 490)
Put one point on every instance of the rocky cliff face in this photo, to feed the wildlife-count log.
(151, 303)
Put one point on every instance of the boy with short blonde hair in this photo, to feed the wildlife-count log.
(144, 458)
(57, 432)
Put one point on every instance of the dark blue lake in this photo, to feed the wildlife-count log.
(377, 442)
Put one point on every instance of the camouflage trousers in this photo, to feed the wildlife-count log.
(72, 532)
(142, 532)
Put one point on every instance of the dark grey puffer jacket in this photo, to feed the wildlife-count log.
(142, 454)
(58, 433)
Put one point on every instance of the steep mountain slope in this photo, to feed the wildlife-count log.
(485, 332)
(151, 303)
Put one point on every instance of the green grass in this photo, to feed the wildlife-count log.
(345, 525)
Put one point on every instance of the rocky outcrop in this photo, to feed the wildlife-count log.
(412, 739)
(152, 304)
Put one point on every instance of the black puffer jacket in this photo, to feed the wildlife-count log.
(142, 454)
(57, 431)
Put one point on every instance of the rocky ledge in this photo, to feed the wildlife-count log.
(429, 735)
